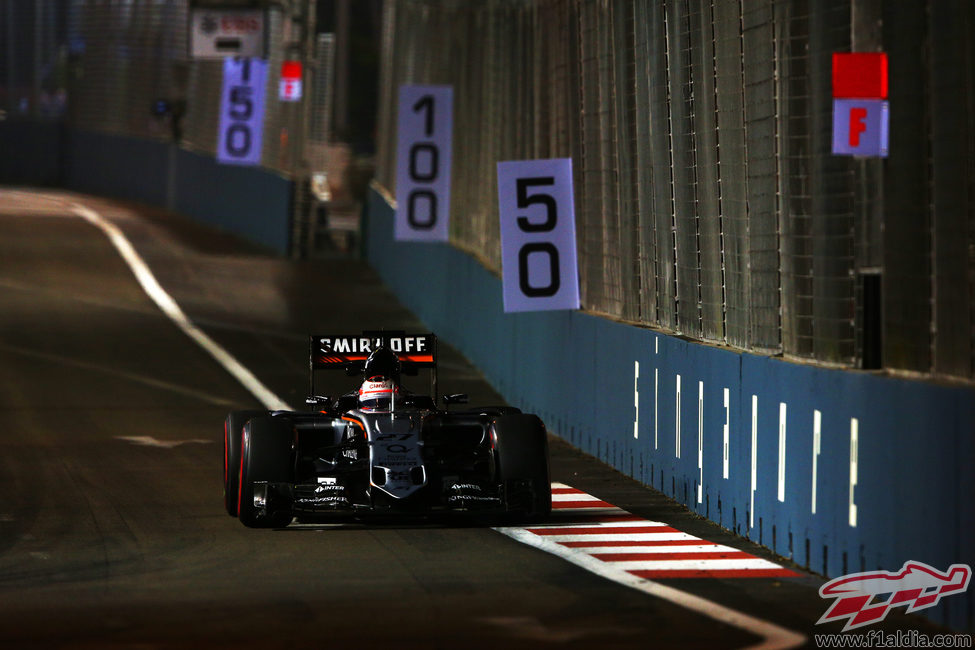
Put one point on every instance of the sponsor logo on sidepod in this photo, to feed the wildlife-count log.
(916, 586)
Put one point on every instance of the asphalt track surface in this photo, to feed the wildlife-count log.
(112, 527)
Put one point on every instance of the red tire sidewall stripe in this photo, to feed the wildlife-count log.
(226, 456)
(240, 480)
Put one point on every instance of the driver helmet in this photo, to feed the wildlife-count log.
(377, 392)
(383, 361)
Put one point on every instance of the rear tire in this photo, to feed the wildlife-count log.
(265, 456)
(233, 427)
(521, 452)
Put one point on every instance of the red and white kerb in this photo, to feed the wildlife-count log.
(643, 548)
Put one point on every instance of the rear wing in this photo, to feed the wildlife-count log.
(349, 352)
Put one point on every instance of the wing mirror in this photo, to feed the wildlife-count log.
(455, 398)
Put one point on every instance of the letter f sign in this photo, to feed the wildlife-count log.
(860, 127)
(857, 125)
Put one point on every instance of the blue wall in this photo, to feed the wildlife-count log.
(251, 202)
(30, 152)
(116, 166)
(915, 446)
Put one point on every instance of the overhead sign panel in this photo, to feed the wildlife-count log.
(216, 33)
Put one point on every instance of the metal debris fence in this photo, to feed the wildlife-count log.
(102, 65)
(708, 201)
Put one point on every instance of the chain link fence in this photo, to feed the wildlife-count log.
(34, 58)
(708, 202)
(102, 65)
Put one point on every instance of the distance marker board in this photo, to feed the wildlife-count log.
(423, 159)
(239, 136)
(538, 235)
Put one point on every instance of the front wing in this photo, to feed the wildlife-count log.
(322, 499)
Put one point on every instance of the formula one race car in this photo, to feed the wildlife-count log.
(382, 449)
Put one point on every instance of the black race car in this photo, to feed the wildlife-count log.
(382, 449)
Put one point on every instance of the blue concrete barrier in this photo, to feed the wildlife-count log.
(116, 166)
(251, 202)
(892, 457)
(30, 152)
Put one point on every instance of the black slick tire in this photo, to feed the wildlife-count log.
(265, 456)
(521, 452)
(233, 427)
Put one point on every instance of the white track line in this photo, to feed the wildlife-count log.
(574, 497)
(610, 536)
(602, 524)
(169, 307)
(606, 552)
(732, 564)
(633, 537)
(775, 637)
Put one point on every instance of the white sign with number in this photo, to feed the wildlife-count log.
(239, 136)
(538, 235)
(423, 158)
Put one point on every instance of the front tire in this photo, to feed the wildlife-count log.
(233, 427)
(265, 457)
(521, 453)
